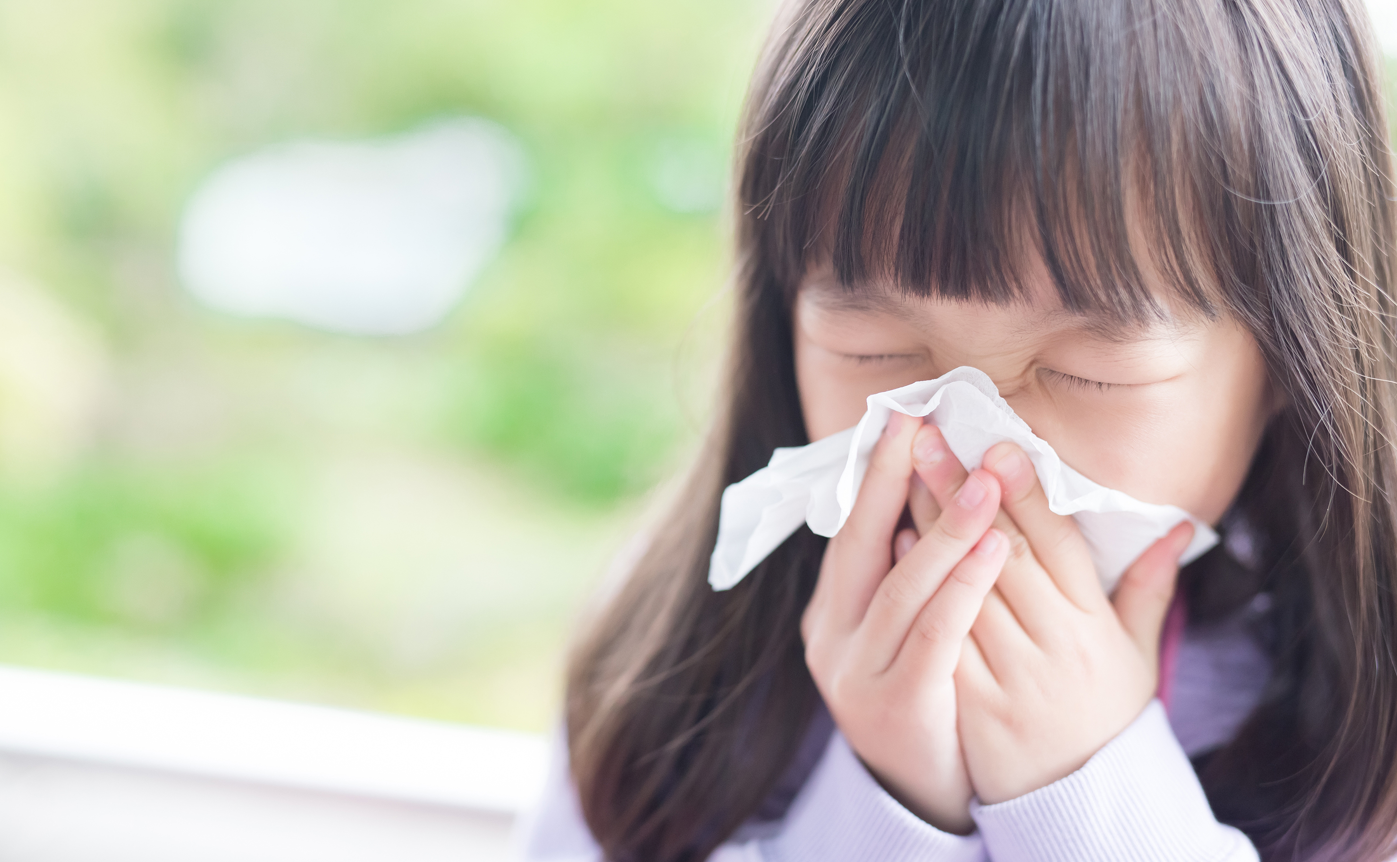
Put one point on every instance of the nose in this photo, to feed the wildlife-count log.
(1010, 377)
(1015, 383)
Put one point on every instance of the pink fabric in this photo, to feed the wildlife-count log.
(1173, 635)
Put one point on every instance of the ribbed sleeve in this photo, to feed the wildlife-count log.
(1135, 800)
(843, 813)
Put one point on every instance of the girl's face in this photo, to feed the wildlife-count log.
(1168, 413)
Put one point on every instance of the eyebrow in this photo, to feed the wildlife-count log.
(1165, 327)
(1102, 327)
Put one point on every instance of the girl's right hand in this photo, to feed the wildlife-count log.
(882, 641)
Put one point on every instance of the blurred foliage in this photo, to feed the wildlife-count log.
(402, 524)
(182, 534)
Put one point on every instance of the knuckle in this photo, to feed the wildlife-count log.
(851, 537)
(814, 658)
(1086, 657)
(1061, 538)
(932, 628)
(1019, 548)
(901, 590)
(858, 551)
(877, 467)
(842, 689)
(887, 452)
(1022, 492)
(967, 578)
(1017, 721)
(865, 533)
(821, 656)
(956, 531)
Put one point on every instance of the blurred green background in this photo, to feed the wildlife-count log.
(408, 523)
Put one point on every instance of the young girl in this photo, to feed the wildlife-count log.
(1165, 229)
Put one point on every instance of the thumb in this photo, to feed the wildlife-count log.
(1147, 587)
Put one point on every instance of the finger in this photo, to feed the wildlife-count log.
(941, 471)
(1030, 592)
(932, 647)
(1055, 539)
(883, 493)
(972, 671)
(1147, 587)
(860, 554)
(1002, 638)
(1026, 586)
(923, 506)
(912, 582)
(902, 543)
(936, 465)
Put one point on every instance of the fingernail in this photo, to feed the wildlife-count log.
(971, 494)
(894, 424)
(928, 449)
(988, 544)
(1010, 466)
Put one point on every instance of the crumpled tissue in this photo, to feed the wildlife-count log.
(817, 484)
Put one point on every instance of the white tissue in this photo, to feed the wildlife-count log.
(817, 484)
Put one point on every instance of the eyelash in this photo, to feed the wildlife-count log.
(872, 358)
(1071, 380)
(1083, 383)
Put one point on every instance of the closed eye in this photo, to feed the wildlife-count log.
(1081, 383)
(875, 358)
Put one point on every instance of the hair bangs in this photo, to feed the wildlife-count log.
(976, 150)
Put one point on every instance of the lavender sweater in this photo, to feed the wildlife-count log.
(1136, 800)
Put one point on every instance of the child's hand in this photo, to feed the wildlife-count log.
(882, 640)
(1053, 669)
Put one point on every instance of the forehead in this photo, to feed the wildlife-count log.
(1038, 311)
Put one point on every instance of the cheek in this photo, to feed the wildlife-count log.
(1211, 447)
(1183, 457)
(828, 403)
(1191, 449)
(834, 394)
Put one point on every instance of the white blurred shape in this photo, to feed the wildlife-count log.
(1384, 16)
(369, 238)
(235, 738)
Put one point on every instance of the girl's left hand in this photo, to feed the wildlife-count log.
(1053, 669)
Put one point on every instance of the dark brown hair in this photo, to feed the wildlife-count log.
(922, 143)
